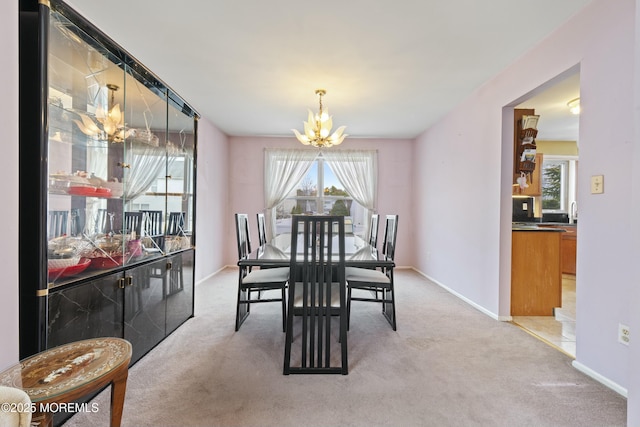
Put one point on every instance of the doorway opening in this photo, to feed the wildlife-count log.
(555, 201)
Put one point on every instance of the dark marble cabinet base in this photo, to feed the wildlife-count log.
(86, 311)
(142, 304)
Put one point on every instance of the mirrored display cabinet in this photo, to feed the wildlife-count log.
(107, 189)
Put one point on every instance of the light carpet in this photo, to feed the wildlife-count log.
(447, 365)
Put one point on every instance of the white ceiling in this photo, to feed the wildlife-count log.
(556, 123)
(391, 69)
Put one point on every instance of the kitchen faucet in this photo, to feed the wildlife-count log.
(573, 212)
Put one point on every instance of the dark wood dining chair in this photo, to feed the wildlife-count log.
(317, 297)
(262, 229)
(255, 282)
(376, 285)
(373, 230)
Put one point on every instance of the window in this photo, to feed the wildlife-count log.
(558, 183)
(319, 192)
(340, 182)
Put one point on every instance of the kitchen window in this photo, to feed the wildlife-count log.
(558, 183)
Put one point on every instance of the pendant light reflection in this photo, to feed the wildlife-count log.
(107, 124)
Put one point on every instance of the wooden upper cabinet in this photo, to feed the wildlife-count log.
(528, 170)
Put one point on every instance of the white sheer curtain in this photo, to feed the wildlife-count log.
(283, 169)
(146, 164)
(357, 171)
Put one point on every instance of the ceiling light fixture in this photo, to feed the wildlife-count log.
(110, 121)
(317, 128)
(574, 106)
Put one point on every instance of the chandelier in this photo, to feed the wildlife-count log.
(109, 124)
(317, 128)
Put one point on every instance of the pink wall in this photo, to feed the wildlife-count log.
(212, 193)
(395, 187)
(468, 153)
(633, 400)
(9, 126)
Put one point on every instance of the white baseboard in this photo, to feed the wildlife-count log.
(211, 275)
(463, 298)
(579, 366)
(601, 379)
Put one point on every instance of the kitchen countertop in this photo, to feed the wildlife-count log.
(535, 226)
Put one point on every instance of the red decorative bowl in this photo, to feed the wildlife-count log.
(55, 273)
(103, 192)
(106, 262)
(81, 190)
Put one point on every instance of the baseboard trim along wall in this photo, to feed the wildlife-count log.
(213, 274)
(577, 365)
(462, 297)
(596, 376)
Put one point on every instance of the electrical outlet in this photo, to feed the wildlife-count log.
(623, 334)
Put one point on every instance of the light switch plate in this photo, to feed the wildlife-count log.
(597, 184)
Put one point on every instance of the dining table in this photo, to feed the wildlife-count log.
(276, 253)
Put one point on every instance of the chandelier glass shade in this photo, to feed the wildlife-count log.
(317, 128)
(107, 124)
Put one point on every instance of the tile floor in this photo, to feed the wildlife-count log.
(558, 331)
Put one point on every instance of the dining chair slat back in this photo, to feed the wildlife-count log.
(390, 235)
(133, 223)
(376, 285)
(152, 227)
(373, 230)
(242, 235)
(253, 283)
(262, 229)
(152, 223)
(316, 314)
(175, 224)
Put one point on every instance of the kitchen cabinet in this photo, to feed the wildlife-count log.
(536, 276)
(107, 189)
(568, 246)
